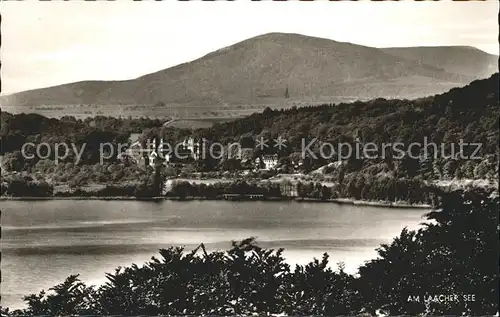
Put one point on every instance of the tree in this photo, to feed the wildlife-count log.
(230, 165)
(13, 161)
(71, 297)
(453, 254)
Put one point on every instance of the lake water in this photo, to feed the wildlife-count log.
(45, 241)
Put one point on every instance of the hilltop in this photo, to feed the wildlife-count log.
(259, 70)
(464, 60)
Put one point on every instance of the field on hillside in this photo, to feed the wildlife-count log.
(137, 111)
(201, 116)
(186, 118)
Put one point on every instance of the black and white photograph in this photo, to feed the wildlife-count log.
(249, 158)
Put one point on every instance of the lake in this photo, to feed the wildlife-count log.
(45, 241)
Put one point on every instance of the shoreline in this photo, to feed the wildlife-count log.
(338, 201)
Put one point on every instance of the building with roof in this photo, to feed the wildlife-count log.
(267, 162)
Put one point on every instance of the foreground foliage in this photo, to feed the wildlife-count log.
(451, 254)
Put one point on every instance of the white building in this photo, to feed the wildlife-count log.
(158, 152)
(193, 147)
(269, 161)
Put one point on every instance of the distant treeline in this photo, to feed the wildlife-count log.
(356, 186)
(34, 185)
(26, 186)
(382, 189)
(18, 129)
(184, 189)
(450, 255)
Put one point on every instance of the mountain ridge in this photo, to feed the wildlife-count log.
(259, 69)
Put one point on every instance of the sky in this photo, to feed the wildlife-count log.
(53, 42)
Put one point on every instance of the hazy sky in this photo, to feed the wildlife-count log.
(55, 42)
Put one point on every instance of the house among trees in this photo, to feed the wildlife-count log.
(158, 153)
(266, 162)
(153, 152)
(297, 163)
(164, 153)
(246, 156)
(128, 156)
(134, 138)
(193, 147)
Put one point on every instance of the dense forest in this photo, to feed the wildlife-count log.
(451, 255)
(469, 114)
(36, 177)
(387, 189)
(18, 129)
